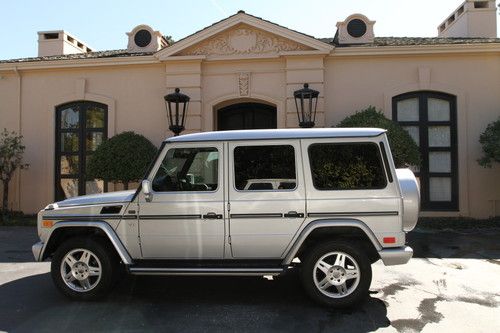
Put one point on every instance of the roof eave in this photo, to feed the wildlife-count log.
(373, 50)
(83, 62)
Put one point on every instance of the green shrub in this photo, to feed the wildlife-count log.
(490, 141)
(404, 150)
(123, 158)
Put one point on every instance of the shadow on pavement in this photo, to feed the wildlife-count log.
(183, 304)
(473, 244)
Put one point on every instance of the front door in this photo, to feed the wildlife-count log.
(185, 217)
(246, 116)
(266, 197)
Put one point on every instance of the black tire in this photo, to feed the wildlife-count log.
(108, 262)
(358, 293)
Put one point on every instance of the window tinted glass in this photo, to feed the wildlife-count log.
(188, 169)
(346, 166)
(264, 167)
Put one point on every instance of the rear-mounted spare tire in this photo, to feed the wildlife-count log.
(410, 193)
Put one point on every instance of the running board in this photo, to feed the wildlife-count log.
(206, 271)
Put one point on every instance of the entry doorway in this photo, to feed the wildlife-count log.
(247, 115)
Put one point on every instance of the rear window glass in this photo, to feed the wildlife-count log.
(258, 168)
(353, 166)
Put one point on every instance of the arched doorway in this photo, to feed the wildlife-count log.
(248, 115)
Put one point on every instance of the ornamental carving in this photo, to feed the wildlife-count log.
(243, 40)
(244, 83)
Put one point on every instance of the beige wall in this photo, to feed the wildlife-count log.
(353, 84)
(134, 95)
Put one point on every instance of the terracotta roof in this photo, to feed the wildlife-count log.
(408, 41)
(88, 55)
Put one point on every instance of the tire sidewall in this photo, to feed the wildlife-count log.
(101, 250)
(361, 291)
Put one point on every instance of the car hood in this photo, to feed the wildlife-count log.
(96, 199)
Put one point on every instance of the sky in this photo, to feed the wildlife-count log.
(102, 24)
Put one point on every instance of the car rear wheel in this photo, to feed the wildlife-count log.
(337, 274)
(84, 268)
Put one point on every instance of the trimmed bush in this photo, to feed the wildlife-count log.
(404, 150)
(123, 158)
(490, 142)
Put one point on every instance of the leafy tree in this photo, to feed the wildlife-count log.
(11, 156)
(490, 141)
(123, 158)
(404, 150)
(169, 39)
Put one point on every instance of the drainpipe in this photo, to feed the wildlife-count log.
(19, 105)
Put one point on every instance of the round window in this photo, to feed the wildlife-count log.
(356, 28)
(142, 38)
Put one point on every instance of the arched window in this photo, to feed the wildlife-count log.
(431, 119)
(80, 127)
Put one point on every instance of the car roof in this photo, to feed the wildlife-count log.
(270, 134)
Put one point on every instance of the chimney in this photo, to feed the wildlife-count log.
(59, 42)
(473, 18)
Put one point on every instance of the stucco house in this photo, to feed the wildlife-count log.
(241, 72)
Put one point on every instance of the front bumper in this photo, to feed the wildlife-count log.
(37, 250)
(396, 256)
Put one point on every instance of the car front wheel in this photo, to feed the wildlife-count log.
(83, 268)
(337, 274)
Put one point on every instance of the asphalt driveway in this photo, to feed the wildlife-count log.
(451, 286)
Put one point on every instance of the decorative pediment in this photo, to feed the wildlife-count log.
(241, 35)
(243, 40)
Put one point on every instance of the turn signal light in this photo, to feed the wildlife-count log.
(47, 223)
(389, 240)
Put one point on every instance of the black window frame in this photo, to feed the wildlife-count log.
(82, 152)
(423, 125)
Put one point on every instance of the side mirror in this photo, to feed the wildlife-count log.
(146, 188)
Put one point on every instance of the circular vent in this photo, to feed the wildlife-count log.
(142, 38)
(356, 28)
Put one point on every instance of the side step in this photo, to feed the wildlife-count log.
(205, 271)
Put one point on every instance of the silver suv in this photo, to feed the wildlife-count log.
(344, 207)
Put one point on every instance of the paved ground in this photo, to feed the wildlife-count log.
(453, 285)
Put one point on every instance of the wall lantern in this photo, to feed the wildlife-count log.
(306, 101)
(177, 105)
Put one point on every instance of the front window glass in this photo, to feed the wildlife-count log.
(188, 169)
(258, 168)
(346, 166)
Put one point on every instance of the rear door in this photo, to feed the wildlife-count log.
(349, 178)
(264, 217)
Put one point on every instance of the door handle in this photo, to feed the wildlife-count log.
(292, 214)
(212, 216)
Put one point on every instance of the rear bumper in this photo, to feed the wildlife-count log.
(37, 250)
(396, 256)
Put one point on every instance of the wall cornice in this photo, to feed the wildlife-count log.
(360, 51)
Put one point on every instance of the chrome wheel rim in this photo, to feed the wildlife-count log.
(336, 274)
(81, 270)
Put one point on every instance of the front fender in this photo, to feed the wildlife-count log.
(105, 227)
(292, 251)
